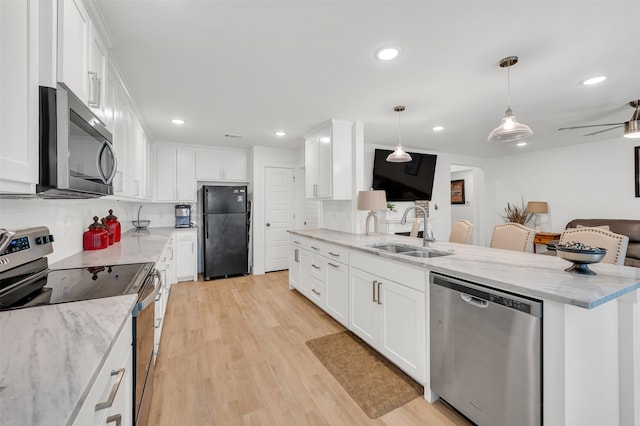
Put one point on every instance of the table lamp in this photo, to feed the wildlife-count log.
(372, 200)
(537, 207)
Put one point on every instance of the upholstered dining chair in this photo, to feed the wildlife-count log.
(513, 236)
(461, 232)
(615, 244)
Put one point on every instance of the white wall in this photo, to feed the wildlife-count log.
(591, 180)
(261, 157)
(66, 219)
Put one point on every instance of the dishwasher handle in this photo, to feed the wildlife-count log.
(474, 301)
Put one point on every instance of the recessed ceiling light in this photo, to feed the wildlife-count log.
(177, 121)
(437, 128)
(387, 53)
(521, 144)
(594, 80)
(279, 133)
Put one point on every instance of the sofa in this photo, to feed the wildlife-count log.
(628, 227)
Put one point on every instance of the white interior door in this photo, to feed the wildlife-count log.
(279, 216)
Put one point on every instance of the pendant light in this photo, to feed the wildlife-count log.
(510, 130)
(399, 155)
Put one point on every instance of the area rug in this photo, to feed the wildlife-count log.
(372, 381)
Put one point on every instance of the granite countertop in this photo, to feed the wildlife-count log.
(133, 247)
(529, 274)
(51, 355)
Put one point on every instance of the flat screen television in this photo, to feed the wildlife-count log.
(404, 181)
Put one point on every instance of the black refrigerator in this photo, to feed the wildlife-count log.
(226, 231)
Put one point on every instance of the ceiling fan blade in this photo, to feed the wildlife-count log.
(602, 131)
(591, 125)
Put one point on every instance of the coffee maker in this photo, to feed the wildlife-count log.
(183, 215)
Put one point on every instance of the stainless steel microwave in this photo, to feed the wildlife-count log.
(77, 159)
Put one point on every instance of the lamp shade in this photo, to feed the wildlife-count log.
(372, 200)
(510, 130)
(537, 207)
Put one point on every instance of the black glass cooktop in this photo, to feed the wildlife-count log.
(32, 285)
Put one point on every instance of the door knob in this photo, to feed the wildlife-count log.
(268, 224)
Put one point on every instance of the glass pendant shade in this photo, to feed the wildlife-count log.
(398, 156)
(510, 130)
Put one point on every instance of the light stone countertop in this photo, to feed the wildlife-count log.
(50, 357)
(534, 275)
(133, 247)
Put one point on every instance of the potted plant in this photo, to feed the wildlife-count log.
(517, 213)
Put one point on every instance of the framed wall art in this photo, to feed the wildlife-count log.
(457, 191)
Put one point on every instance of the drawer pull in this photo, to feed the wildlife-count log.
(333, 264)
(315, 292)
(158, 322)
(114, 390)
(373, 287)
(296, 256)
(334, 254)
(296, 242)
(315, 248)
(115, 418)
(379, 298)
(315, 266)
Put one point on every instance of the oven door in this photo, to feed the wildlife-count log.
(143, 337)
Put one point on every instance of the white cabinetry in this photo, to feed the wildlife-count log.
(19, 26)
(337, 283)
(110, 400)
(388, 315)
(328, 166)
(218, 165)
(82, 56)
(186, 258)
(175, 174)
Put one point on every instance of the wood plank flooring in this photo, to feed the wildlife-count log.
(233, 353)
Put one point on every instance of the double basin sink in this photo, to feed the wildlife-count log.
(407, 250)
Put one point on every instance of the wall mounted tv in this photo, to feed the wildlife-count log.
(404, 181)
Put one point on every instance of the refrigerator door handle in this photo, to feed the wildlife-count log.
(206, 228)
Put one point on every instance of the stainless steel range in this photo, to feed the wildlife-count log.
(26, 281)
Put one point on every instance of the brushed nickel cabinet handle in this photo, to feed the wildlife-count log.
(379, 298)
(334, 254)
(315, 266)
(296, 255)
(314, 290)
(117, 418)
(315, 248)
(333, 264)
(373, 288)
(114, 390)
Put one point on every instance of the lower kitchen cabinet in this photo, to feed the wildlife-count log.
(110, 400)
(186, 255)
(391, 318)
(337, 291)
(294, 264)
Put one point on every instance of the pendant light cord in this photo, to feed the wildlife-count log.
(399, 130)
(508, 88)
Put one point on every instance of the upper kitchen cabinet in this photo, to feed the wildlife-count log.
(175, 174)
(218, 165)
(82, 56)
(328, 161)
(19, 31)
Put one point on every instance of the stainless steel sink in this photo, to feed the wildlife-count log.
(407, 250)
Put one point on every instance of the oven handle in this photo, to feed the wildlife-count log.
(152, 297)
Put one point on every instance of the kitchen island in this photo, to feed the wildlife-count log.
(590, 324)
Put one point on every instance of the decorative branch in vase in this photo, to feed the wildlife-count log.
(517, 213)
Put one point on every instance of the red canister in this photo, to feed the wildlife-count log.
(96, 238)
(112, 222)
(109, 230)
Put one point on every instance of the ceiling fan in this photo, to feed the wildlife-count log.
(631, 127)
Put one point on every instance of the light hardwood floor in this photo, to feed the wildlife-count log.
(233, 352)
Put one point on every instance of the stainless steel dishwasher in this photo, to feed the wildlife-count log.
(486, 352)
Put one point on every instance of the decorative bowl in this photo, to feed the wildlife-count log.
(581, 258)
(141, 224)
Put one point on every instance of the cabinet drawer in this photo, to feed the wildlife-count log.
(189, 235)
(316, 295)
(410, 276)
(317, 269)
(336, 253)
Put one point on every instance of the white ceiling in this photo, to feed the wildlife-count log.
(253, 67)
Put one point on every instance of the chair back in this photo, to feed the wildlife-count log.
(461, 232)
(513, 236)
(615, 244)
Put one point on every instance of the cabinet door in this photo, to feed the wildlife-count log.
(185, 260)
(97, 74)
(325, 165)
(402, 328)
(208, 165)
(165, 174)
(305, 273)
(294, 267)
(19, 96)
(185, 175)
(73, 47)
(311, 168)
(233, 166)
(337, 291)
(363, 309)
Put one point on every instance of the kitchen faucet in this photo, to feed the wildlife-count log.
(425, 232)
